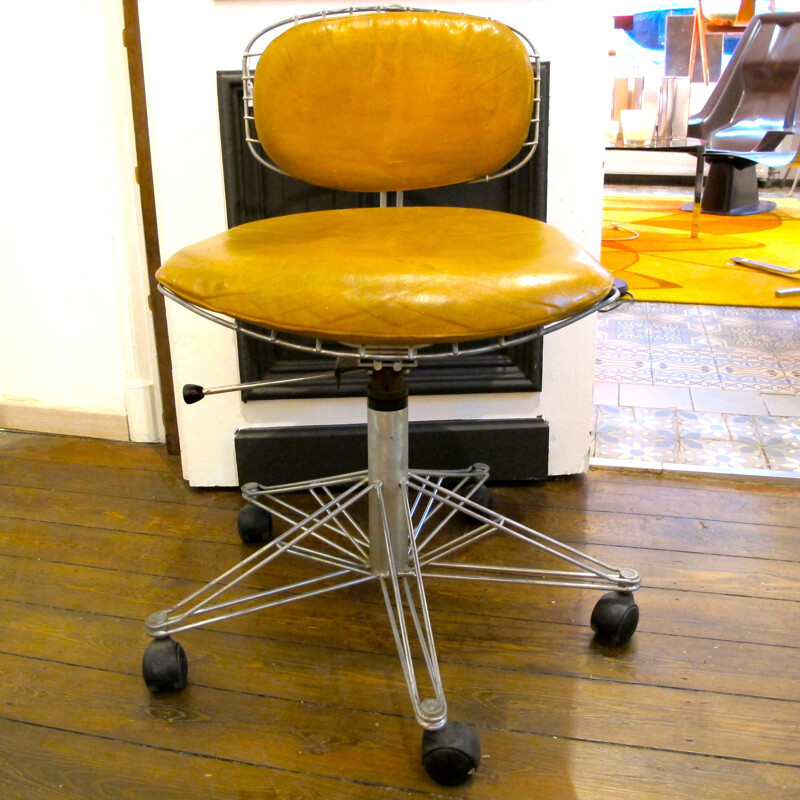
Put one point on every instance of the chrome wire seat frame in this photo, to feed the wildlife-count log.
(405, 542)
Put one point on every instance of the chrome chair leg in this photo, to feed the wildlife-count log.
(592, 573)
(403, 607)
(615, 615)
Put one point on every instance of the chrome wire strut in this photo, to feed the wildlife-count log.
(390, 524)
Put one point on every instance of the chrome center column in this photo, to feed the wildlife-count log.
(387, 431)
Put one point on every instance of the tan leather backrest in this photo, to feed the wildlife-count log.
(393, 101)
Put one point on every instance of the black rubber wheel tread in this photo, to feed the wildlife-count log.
(165, 667)
(254, 524)
(483, 496)
(451, 754)
(615, 617)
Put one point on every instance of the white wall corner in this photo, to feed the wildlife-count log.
(142, 411)
(142, 398)
(566, 399)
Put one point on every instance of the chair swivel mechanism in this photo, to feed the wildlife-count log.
(386, 100)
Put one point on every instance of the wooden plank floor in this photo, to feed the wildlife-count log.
(307, 700)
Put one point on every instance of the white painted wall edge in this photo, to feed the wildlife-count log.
(142, 398)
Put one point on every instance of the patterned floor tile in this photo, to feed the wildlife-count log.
(778, 430)
(686, 380)
(783, 457)
(747, 358)
(632, 308)
(702, 425)
(635, 434)
(794, 379)
(744, 342)
(785, 343)
(768, 315)
(673, 312)
(742, 428)
(639, 447)
(621, 331)
(789, 357)
(635, 430)
(755, 383)
(685, 366)
(622, 364)
(741, 370)
(613, 418)
(617, 413)
(728, 313)
(778, 318)
(677, 333)
(771, 316)
(713, 453)
(657, 419)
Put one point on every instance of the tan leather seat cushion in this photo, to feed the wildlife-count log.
(392, 276)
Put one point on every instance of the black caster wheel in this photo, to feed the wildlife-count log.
(254, 524)
(483, 497)
(451, 754)
(165, 667)
(615, 617)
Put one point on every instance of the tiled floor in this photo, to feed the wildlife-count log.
(705, 387)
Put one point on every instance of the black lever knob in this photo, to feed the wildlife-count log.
(192, 393)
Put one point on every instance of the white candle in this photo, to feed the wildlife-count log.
(637, 125)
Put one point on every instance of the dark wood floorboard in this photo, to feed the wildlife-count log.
(307, 700)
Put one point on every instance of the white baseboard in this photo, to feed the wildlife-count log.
(68, 421)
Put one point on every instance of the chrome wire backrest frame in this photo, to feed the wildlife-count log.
(256, 47)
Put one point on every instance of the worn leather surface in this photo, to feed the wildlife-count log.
(383, 102)
(390, 275)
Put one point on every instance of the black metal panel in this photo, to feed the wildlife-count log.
(284, 455)
(254, 192)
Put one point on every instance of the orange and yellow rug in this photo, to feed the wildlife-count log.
(664, 264)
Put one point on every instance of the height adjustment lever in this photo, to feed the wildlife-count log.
(192, 393)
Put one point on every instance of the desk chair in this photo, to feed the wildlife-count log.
(386, 100)
(753, 108)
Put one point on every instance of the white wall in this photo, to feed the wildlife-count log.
(75, 334)
(185, 42)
